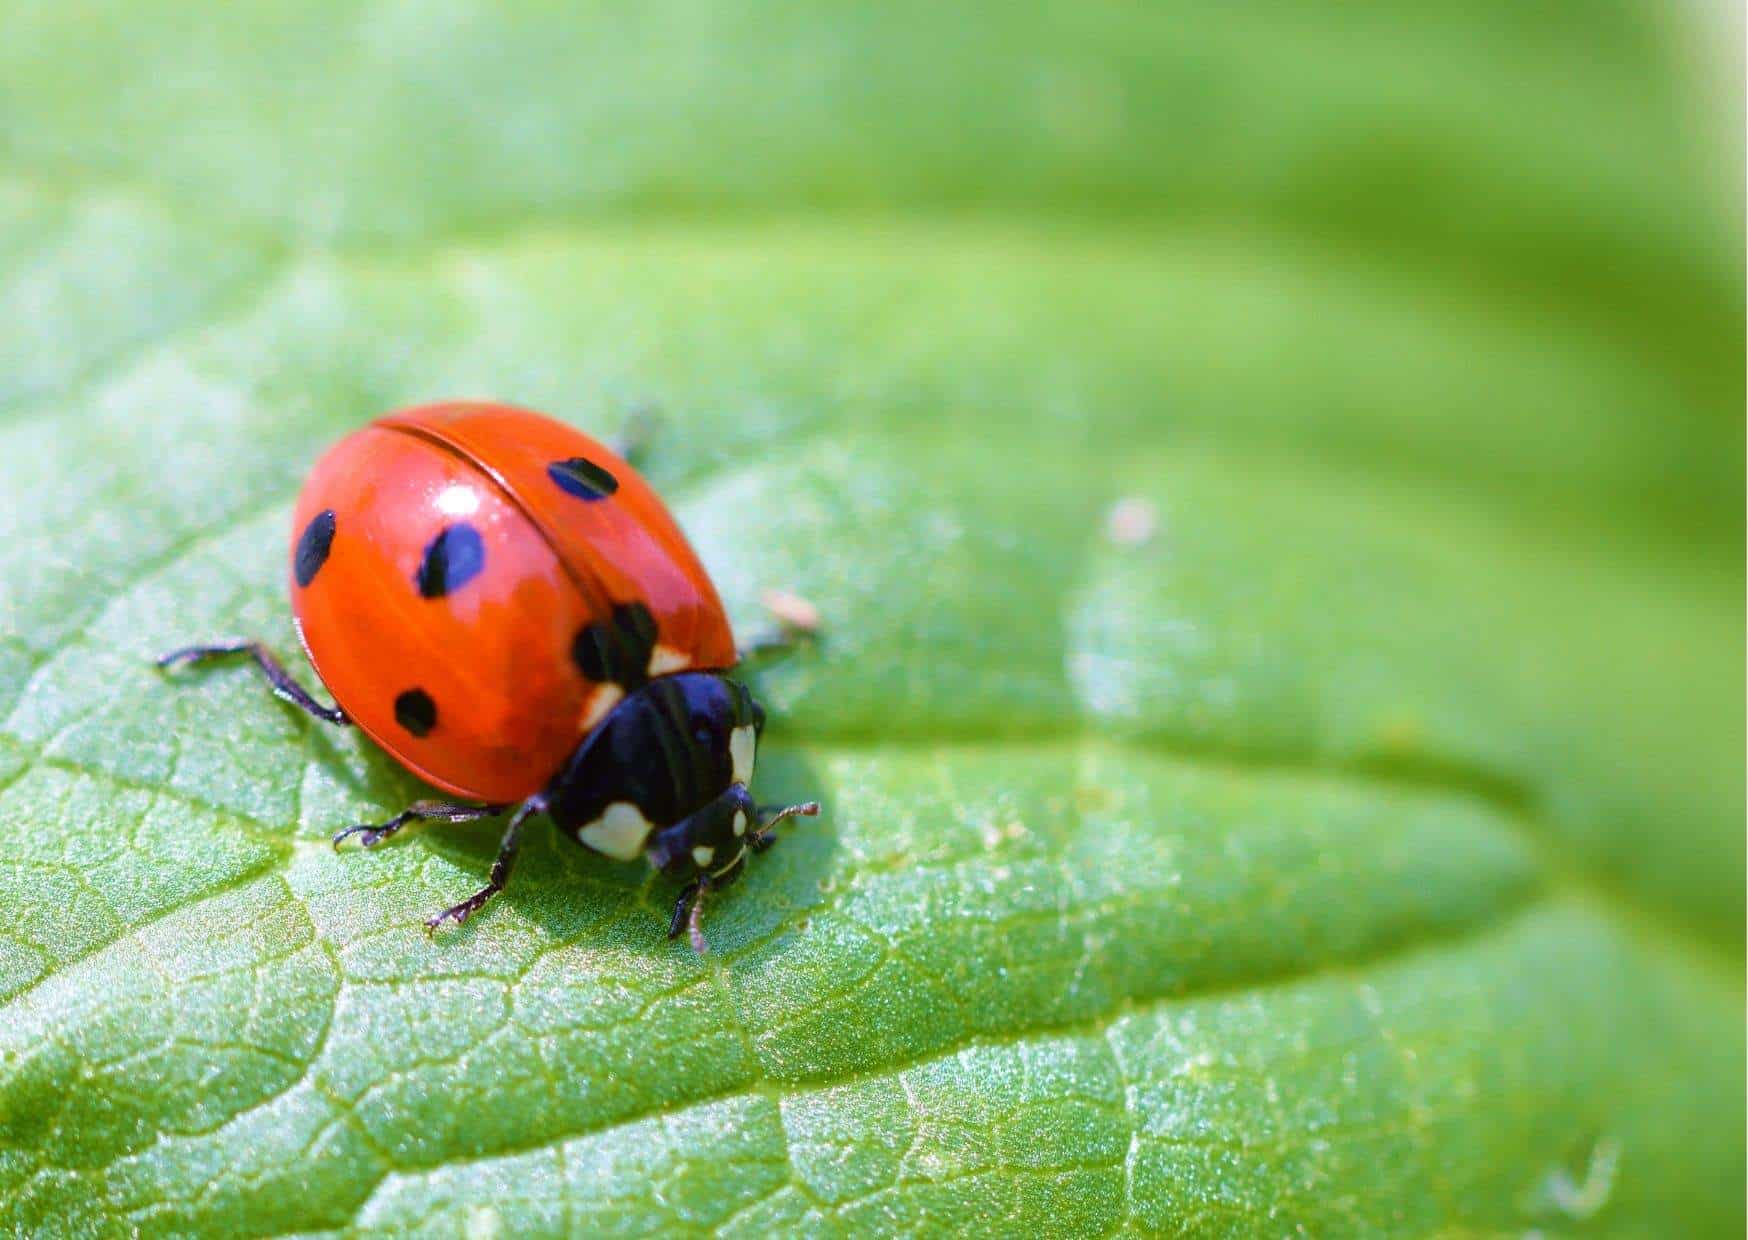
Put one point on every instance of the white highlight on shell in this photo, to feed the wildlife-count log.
(703, 855)
(618, 833)
(743, 744)
(665, 660)
(458, 500)
(740, 822)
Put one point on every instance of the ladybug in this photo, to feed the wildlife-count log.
(505, 606)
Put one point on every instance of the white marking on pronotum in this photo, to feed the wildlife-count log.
(743, 744)
(618, 833)
(665, 659)
(703, 855)
(740, 822)
(602, 700)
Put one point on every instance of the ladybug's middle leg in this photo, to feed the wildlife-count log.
(373, 833)
(278, 679)
(501, 866)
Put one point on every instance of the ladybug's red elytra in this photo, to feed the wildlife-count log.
(505, 606)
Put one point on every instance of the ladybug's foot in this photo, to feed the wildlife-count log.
(278, 679)
(764, 837)
(459, 913)
(370, 834)
(689, 914)
(501, 867)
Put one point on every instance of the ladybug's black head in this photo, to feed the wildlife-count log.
(665, 752)
(713, 841)
(665, 775)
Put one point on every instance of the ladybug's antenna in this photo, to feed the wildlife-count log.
(807, 809)
(769, 818)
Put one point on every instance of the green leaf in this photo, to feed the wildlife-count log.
(1361, 851)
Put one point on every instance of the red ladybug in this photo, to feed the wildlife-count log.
(509, 610)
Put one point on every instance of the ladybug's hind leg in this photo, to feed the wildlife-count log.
(373, 833)
(278, 679)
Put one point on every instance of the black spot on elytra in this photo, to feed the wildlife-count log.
(616, 650)
(454, 558)
(312, 546)
(582, 478)
(416, 712)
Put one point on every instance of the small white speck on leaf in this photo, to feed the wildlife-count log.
(483, 1223)
(791, 610)
(1132, 522)
(1582, 1199)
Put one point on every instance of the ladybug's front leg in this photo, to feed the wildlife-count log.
(278, 679)
(689, 913)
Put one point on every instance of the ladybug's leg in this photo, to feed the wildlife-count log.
(280, 680)
(708, 836)
(373, 833)
(501, 866)
(687, 913)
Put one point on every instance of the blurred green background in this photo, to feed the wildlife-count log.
(1356, 843)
